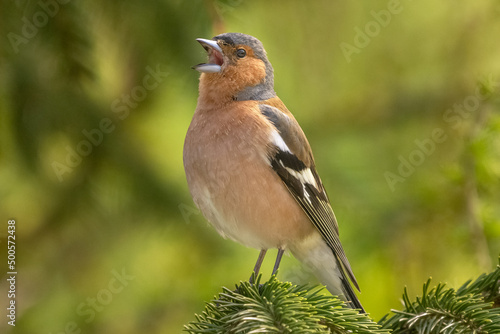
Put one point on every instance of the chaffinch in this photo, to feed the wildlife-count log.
(250, 169)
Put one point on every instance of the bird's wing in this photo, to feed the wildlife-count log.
(293, 161)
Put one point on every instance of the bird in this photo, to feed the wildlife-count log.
(250, 169)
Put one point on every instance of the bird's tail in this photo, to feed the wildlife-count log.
(318, 257)
(337, 283)
(347, 290)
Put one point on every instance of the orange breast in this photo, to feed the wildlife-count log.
(232, 182)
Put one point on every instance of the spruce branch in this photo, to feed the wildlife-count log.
(470, 309)
(279, 307)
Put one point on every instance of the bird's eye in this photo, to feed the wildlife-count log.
(241, 53)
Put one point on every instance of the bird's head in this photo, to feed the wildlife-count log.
(237, 68)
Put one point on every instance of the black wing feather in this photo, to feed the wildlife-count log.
(312, 200)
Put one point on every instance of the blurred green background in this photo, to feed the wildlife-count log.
(399, 100)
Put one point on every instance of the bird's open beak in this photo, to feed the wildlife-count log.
(215, 59)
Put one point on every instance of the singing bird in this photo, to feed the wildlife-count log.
(250, 169)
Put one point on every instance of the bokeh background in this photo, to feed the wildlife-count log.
(399, 100)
